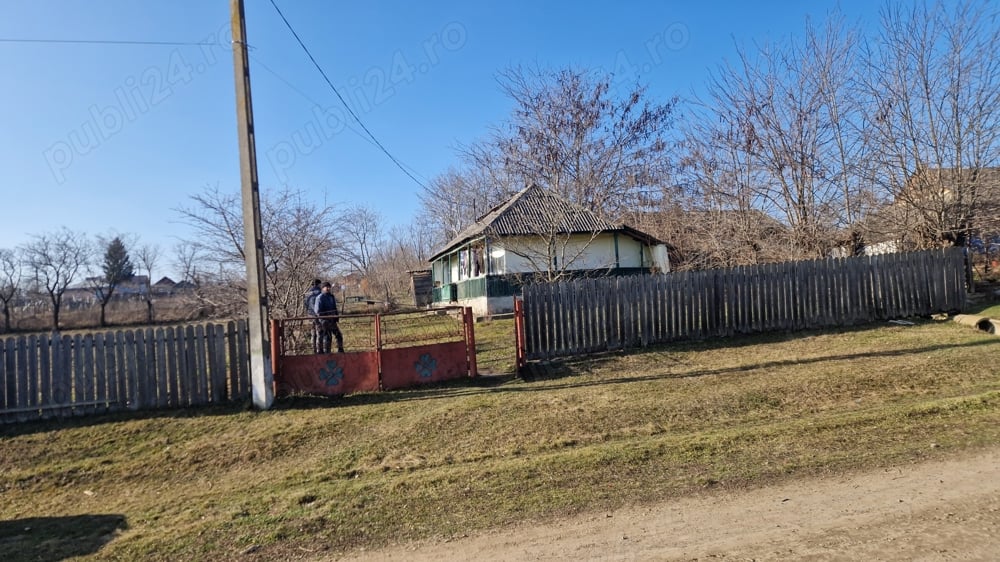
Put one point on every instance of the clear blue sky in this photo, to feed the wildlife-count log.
(102, 138)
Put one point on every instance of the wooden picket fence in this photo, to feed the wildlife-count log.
(59, 375)
(592, 315)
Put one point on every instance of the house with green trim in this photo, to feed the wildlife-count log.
(536, 236)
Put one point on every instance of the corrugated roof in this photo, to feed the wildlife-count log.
(535, 210)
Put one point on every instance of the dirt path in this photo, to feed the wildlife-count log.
(946, 510)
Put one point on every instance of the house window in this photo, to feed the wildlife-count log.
(442, 272)
(498, 261)
(478, 269)
(463, 264)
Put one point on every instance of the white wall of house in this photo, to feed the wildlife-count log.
(489, 306)
(632, 253)
(589, 253)
(479, 305)
(582, 251)
(876, 249)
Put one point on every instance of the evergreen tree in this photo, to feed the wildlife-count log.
(117, 269)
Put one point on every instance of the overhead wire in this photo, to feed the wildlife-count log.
(341, 98)
(368, 135)
(304, 95)
(258, 62)
(105, 42)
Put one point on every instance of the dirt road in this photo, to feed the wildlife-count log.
(946, 510)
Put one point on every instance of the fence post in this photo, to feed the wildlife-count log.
(470, 339)
(277, 346)
(518, 334)
(378, 348)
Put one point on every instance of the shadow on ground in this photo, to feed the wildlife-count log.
(57, 538)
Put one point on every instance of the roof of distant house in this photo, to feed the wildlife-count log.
(947, 177)
(535, 210)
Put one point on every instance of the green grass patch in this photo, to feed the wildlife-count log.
(335, 475)
(987, 309)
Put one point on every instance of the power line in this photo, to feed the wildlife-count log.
(308, 98)
(341, 98)
(106, 42)
(304, 95)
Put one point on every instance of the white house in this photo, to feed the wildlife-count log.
(535, 236)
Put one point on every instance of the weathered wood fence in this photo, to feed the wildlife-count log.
(592, 315)
(59, 375)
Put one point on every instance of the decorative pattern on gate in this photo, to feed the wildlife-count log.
(332, 373)
(426, 366)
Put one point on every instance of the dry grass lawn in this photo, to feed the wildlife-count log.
(336, 475)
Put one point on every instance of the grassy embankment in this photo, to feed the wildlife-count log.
(316, 477)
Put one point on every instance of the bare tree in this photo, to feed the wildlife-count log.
(300, 240)
(403, 250)
(204, 295)
(361, 236)
(568, 132)
(781, 136)
(187, 260)
(147, 257)
(571, 134)
(10, 282)
(846, 147)
(55, 260)
(716, 221)
(933, 85)
(772, 104)
(458, 197)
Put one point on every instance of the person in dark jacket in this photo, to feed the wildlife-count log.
(326, 320)
(310, 305)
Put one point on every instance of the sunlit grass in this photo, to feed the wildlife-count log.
(333, 475)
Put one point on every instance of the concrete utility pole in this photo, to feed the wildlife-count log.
(261, 377)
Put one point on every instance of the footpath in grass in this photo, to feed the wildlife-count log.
(316, 476)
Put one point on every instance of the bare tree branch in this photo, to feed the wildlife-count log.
(55, 260)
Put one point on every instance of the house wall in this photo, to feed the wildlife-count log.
(485, 306)
(601, 253)
(480, 305)
(582, 250)
(632, 253)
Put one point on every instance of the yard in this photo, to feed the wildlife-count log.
(317, 478)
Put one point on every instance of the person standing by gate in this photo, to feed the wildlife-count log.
(326, 321)
(310, 303)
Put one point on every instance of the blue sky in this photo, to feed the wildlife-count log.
(111, 138)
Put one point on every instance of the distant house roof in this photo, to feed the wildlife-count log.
(753, 220)
(90, 283)
(535, 210)
(164, 282)
(948, 179)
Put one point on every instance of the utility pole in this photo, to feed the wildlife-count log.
(261, 377)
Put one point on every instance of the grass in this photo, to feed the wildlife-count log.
(322, 477)
(988, 309)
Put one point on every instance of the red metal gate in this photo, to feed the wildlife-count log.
(382, 352)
